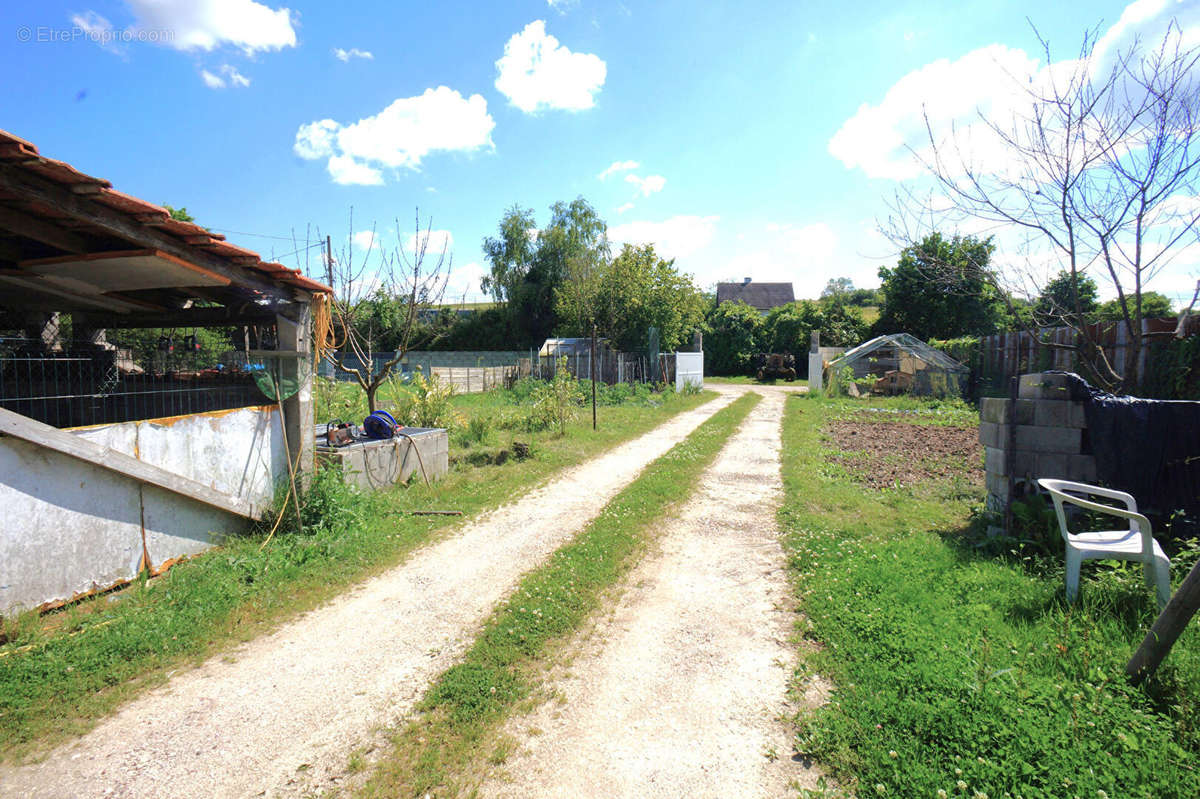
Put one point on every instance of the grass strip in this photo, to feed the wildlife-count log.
(56, 683)
(440, 750)
(962, 673)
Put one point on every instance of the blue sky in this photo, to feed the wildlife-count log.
(746, 139)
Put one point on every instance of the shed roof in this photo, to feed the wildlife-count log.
(763, 296)
(70, 241)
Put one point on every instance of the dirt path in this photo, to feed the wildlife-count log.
(281, 714)
(678, 692)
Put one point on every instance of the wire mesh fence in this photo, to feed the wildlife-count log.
(68, 383)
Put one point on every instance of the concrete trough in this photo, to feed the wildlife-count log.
(370, 464)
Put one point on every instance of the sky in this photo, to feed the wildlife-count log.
(749, 139)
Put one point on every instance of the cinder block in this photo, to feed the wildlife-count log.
(995, 410)
(997, 484)
(994, 461)
(1043, 386)
(1024, 463)
(1051, 413)
(1053, 465)
(1081, 468)
(1035, 438)
(993, 435)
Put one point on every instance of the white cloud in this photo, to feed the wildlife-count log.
(622, 209)
(537, 72)
(437, 239)
(346, 171)
(353, 52)
(994, 80)
(618, 166)
(676, 237)
(400, 135)
(212, 81)
(365, 240)
(462, 284)
(228, 76)
(208, 24)
(99, 30)
(652, 184)
(561, 6)
(877, 137)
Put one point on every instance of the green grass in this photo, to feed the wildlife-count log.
(961, 672)
(59, 674)
(443, 749)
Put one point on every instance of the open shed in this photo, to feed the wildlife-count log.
(134, 425)
(903, 364)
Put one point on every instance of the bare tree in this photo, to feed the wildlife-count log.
(1097, 168)
(380, 297)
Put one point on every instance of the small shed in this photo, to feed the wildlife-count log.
(133, 432)
(760, 296)
(903, 364)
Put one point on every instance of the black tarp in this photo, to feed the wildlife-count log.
(1150, 448)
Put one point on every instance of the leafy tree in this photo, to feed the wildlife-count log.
(637, 290)
(941, 289)
(734, 336)
(528, 266)
(837, 287)
(1154, 306)
(789, 328)
(1064, 295)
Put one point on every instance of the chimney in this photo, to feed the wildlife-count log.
(746, 281)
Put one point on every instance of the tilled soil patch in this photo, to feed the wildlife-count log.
(895, 454)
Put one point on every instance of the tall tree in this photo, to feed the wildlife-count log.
(639, 290)
(1097, 164)
(529, 265)
(1063, 296)
(940, 289)
(734, 337)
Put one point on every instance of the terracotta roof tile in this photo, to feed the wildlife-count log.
(25, 155)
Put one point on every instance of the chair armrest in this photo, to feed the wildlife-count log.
(1085, 488)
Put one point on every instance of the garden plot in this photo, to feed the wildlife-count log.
(895, 450)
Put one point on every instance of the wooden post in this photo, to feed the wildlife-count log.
(1166, 630)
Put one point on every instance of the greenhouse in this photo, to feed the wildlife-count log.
(898, 364)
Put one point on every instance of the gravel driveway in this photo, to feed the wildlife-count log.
(281, 714)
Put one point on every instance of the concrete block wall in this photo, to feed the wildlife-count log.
(1051, 438)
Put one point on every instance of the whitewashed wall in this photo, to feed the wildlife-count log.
(68, 527)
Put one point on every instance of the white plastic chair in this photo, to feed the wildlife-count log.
(1137, 543)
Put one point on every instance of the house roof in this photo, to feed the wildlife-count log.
(763, 296)
(62, 230)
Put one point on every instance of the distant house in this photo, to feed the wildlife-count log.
(762, 296)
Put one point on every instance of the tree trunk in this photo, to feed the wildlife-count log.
(371, 391)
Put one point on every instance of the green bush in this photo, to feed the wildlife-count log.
(556, 402)
(427, 404)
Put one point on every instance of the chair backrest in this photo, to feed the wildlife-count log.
(1137, 522)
